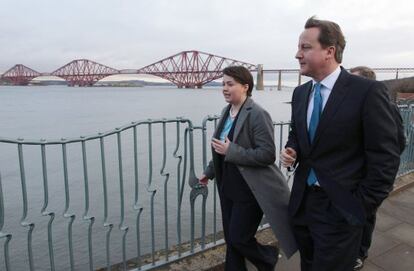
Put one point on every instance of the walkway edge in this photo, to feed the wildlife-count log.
(402, 183)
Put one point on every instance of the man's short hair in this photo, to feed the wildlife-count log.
(364, 72)
(330, 35)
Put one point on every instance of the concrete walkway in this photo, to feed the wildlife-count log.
(392, 248)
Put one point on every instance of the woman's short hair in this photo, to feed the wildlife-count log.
(241, 75)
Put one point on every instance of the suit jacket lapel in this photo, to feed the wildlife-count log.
(302, 122)
(332, 105)
(244, 112)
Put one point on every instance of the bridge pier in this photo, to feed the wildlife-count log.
(279, 81)
(259, 81)
(193, 86)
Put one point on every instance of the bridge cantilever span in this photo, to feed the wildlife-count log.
(20, 75)
(192, 69)
(84, 72)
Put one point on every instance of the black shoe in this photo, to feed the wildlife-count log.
(359, 263)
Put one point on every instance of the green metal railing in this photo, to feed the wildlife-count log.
(407, 157)
(115, 186)
(88, 217)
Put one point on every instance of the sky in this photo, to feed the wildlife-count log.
(129, 34)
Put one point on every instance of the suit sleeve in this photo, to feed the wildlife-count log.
(292, 139)
(380, 146)
(264, 151)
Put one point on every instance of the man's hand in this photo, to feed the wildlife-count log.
(288, 157)
(219, 146)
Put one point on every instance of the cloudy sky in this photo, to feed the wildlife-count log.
(46, 34)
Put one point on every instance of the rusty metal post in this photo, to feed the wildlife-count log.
(259, 80)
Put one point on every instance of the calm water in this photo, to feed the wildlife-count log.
(55, 112)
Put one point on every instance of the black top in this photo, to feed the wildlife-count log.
(233, 184)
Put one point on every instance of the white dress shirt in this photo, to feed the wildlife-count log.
(327, 85)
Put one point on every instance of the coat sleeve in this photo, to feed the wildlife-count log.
(263, 152)
(209, 170)
(380, 146)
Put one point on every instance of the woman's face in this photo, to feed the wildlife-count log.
(233, 91)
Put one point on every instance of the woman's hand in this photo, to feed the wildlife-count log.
(203, 180)
(219, 146)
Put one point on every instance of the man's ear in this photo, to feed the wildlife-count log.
(331, 50)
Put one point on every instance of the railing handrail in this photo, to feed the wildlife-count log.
(93, 136)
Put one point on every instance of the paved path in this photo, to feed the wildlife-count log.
(392, 248)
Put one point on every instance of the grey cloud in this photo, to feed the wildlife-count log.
(130, 34)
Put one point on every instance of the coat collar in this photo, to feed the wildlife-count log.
(244, 112)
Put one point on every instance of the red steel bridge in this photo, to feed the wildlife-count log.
(188, 69)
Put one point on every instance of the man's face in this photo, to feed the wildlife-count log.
(312, 57)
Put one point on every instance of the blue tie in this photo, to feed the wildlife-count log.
(314, 121)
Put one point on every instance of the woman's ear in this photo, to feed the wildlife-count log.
(246, 87)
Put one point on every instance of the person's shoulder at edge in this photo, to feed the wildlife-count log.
(258, 108)
(366, 85)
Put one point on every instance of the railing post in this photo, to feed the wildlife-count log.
(4, 235)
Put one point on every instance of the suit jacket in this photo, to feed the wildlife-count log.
(253, 151)
(355, 153)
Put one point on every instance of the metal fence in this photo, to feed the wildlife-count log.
(124, 199)
(407, 157)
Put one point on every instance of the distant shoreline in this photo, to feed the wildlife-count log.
(123, 83)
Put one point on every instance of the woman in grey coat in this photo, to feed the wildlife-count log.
(248, 181)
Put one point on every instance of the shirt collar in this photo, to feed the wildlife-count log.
(329, 81)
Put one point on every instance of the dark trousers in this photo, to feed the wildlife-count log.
(367, 232)
(326, 241)
(240, 222)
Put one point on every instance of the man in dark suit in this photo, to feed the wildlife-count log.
(343, 139)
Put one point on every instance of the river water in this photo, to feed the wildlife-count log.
(55, 112)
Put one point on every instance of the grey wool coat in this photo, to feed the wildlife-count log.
(253, 151)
